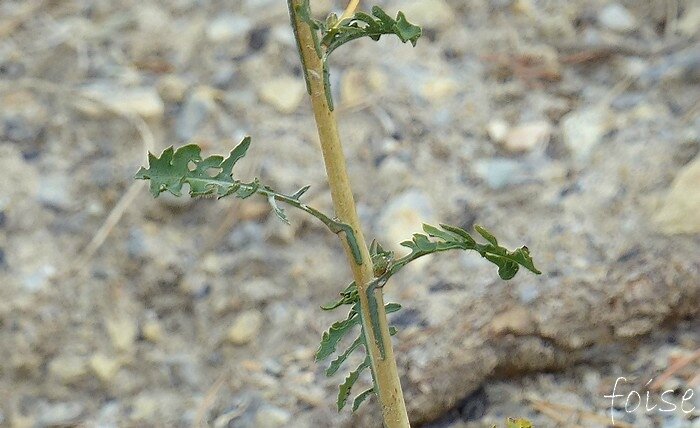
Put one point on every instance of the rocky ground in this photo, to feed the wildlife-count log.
(571, 126)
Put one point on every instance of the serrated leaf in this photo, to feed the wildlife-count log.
(423, 243)
(459, 232)
(277, 210)
(331, 338)
(455, 238)
(407, 31)
(487, 235)
(236, 154)
(372, 26)
(361, 397)
(522, 257)
(433, 231)
(507, 269)
(346, 386)
(168, 172)
(348, 296)
(335, 364)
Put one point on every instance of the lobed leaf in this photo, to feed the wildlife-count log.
(361, 397)
(455, 238)
(212, 175)
(335, 34)
(335, 364)
(346, 386)
(331, 338)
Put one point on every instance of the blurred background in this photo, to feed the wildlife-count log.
(569, 126)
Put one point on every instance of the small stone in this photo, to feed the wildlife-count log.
(68, 369)
(359, 84)
(152, 331)
(20, 180)
(174, 203)
(680, 212)
(583, 129)
(689, 25)
(23, 117)
(245, 327)
(172, 88)
(616, 18)
(109, 415)
(430, 14)
(284, 93)
(55, 192)
(259, 290)
(497, 130)
(440, 89)
(499, 172)
(152, 19)
(228, 27)
(527, 292)
(122, 331)
(518, 321)
(403, 216)
(272, 417)
(104, 367)
(38, 279)
(196, 109)
(142, 101)
(144, 407)
(59, 414)
(184, 370)
(528, 136)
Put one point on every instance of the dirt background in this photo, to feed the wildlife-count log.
(571, 126)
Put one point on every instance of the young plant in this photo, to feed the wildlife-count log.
(372, 266)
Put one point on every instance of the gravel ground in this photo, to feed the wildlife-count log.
(571, 126)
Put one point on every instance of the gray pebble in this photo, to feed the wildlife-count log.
(59, 414)
(196, 110)
(500, 172)
(55, 192)
(616, 18)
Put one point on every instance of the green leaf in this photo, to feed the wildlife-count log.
(444, 234)
(167, 172)
(459, 232)
(346, 387)
(277, 210)
(330, 338)
(372, 26)
(522, 257)
(335, 364)
(361, 397)
(454, 238)
(390, 308)
(214, 176)
(236, 154)
(349, 296)
(507, 269)
(299, 193)
(487, 235)
(406, 31)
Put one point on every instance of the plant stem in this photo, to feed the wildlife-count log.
(349, 11)
(388, 386)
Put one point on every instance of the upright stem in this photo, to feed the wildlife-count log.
(383, 365)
